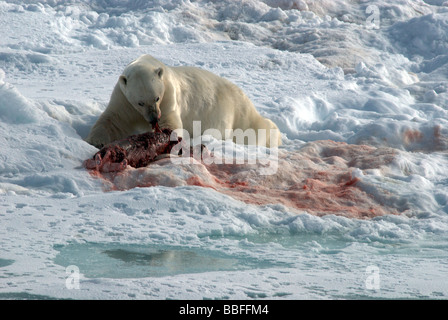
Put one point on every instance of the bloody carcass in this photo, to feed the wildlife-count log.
(136, 151)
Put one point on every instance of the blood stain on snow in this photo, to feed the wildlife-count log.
(412, 136)
(318, 179)
(431, 141)
(316, 183)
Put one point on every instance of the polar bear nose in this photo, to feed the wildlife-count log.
(141, 103)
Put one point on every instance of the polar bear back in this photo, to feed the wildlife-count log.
(214, 100)
(218, 103)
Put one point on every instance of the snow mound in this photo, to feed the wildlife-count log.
(15, 108)
(425, 36)
(36, 149)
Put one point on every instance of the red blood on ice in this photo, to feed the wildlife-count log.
(411, 136)
(416, 140)
(196, 181)
(317, 178)
(316, 181)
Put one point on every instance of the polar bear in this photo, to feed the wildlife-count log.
(149, 92)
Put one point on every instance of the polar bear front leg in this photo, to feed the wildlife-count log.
(99, 135)
(172, 121)
(105, 131)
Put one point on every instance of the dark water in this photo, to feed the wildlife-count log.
(96, 260)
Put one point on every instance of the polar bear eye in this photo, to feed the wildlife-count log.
(141, 104)
(157, 99)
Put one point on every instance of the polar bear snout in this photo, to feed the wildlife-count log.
(150, 111)
(151, 114)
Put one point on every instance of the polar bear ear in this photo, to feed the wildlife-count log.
(159, 72)
(123, 80)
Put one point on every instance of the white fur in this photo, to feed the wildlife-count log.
(186, 94)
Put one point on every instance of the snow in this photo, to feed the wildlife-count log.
(360, 107)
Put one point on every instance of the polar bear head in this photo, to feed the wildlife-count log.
(143, 86)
